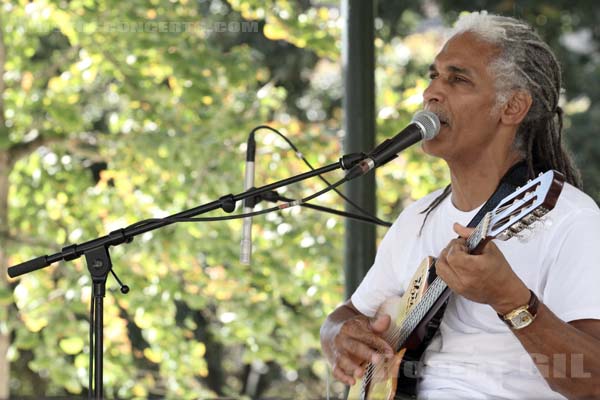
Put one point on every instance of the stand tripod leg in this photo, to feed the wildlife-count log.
(98, 345)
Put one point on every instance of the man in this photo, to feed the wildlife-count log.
(495, 87)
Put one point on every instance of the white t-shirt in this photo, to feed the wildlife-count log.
(475, 355)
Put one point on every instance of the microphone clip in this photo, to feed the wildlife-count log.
(252, 201)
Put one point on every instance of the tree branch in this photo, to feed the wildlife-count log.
(57, 61)
(29, 241)
(74, 145)
(23, 149)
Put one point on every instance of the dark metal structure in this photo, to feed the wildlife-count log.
(358, 58)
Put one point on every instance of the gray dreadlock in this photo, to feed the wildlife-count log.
(527, 63)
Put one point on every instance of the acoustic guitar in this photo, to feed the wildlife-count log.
(412, 313)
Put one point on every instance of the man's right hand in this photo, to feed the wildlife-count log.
(352, 342)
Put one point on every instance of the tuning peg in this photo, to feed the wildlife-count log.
(529, 219)
(517, 227)
(505, 235)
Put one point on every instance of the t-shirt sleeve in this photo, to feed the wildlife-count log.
(572, 289)
(381, 281)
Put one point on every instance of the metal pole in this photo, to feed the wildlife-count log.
(358, 59)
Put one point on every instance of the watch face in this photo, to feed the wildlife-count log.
(521, 320)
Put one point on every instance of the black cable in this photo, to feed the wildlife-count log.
(300, 155)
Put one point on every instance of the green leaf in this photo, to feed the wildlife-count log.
(71, 345)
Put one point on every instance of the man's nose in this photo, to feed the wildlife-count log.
(433, 92)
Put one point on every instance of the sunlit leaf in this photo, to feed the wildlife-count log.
(71, 345)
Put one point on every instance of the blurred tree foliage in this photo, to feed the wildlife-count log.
(111, 115)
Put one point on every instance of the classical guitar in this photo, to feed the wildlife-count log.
(427, 293)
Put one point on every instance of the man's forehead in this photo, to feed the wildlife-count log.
(464, 53)
(468, 40)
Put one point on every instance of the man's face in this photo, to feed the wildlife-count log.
(463, 95)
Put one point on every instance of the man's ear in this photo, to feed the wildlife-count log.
(516, 108)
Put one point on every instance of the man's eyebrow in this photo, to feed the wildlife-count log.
(454, 69)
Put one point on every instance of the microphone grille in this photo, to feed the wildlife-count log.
(428, 122)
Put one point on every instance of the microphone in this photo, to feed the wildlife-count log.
(246, 243)
(425, 125)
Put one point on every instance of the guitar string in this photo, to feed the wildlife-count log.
(407, 328)
(400, 335)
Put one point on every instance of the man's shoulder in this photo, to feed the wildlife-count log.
(574, 200)
(575, 208)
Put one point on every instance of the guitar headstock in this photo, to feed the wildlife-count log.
(525, 206)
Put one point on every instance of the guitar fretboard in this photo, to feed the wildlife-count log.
(418, 312)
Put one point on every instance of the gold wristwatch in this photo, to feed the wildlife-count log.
(522, 316)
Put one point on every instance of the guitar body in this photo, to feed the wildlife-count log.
(384, 377)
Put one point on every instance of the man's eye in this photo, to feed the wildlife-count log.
(458, 79)
(433, 75)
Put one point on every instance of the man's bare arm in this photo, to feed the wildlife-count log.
(566, 354)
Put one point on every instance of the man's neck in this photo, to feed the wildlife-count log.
(474, 182)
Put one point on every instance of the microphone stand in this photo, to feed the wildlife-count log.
(99, 262)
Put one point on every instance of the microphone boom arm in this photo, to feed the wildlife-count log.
(125, 235)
